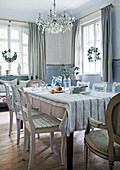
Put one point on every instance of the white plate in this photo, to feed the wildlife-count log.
(59, 91)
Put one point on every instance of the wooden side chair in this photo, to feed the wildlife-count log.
(17, 109)
(114, 86)
(80, 83)
(30, 82)
(99, 87)
(10, 105)
(18, 112)
(43, 124)
(105, 142)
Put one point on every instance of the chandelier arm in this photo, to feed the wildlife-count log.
(55, 23)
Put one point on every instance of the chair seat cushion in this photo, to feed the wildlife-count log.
(99, 140)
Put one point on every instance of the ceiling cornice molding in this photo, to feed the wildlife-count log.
(90, 7)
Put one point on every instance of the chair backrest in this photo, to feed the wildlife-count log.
(80, 83)
(22, 83)
(26, 109)
(113, 120)
(115, 85)
(29, 83)
(8, 96)
(16, 99)
(99, 87)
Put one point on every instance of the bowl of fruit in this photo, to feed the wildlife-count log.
(58, 89)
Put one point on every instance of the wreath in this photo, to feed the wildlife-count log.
(8, 59)
(90, 51)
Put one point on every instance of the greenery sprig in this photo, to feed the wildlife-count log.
(8, 59)
(90, 51)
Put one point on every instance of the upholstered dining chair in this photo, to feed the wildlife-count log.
(10, 106)
(43, 124)
(30, 82)
(115, 85)
(80, 83)
(105, 142)
(99, 87)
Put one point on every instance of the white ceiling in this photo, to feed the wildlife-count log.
(28, 9)
(41, 5)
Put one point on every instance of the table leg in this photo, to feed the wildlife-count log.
(21, 124)
(70, 152)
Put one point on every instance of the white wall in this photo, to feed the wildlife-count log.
(58, 48)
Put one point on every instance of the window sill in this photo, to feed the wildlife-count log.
(92, 74)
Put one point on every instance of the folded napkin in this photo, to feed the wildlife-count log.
(79, 89)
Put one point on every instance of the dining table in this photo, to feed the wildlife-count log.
(72, 109)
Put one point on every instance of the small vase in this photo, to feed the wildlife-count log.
(66, 82)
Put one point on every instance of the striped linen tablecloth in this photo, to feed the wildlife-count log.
(75, 108)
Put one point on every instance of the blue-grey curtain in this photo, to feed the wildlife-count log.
(75, 46)
(36, 53)
(107, 43)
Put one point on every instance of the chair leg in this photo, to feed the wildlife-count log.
(28, 141)
(32, 151)
(63, 146)
(111, 165)
(86, 154)
(25, 142)
(52, 141)
(38, 135)
(11, 122)
(18, 131)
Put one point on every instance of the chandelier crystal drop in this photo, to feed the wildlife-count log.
(55, 23)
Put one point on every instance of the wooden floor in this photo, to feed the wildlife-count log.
(10, 153)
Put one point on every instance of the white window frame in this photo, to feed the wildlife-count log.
(82, 26)
(9, 41)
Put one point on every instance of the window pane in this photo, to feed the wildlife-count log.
(3, 46)
(25, 38)
(85, 34)
(91, 33)
(14, 68)
(3, 33)
(14, 34)
(25, 58)
(4, 67)
(2, 60)
(25, 49)
(14, 47)
(98, 66)
(25, 68)
(98, 30)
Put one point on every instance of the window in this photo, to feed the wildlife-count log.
(15, 38)
(91, 37)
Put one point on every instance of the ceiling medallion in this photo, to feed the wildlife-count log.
(55, 23)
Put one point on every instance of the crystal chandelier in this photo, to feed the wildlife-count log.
(55, 24)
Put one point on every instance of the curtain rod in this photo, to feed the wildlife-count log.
(92, 13)
(13, 20)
